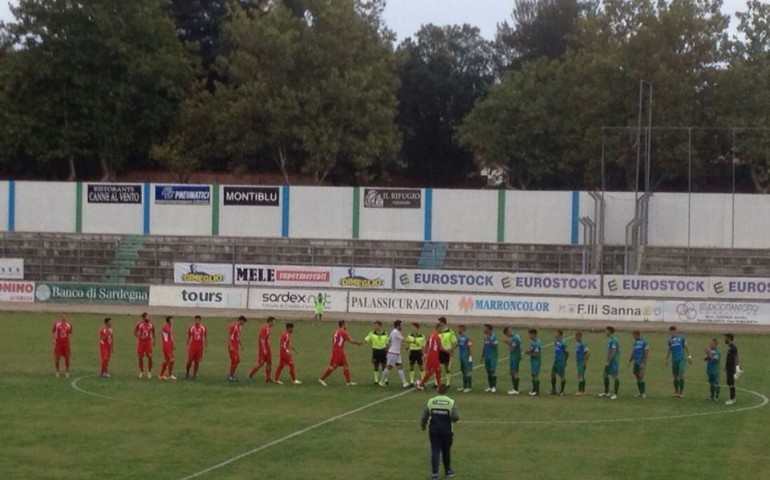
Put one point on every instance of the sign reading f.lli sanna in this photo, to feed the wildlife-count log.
(92, 293)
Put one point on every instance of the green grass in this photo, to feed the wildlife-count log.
(147, 429)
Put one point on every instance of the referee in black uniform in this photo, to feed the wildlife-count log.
(732, 366)
(438, 416)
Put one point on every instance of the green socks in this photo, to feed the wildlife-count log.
(617, 385)
(606, 384)
(553, 384)
(411, 376)
(563, 384)
(536, 386)
(582, 386)
(448, 378)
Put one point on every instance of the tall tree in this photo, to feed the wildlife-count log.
(539, 28)
(317, 92)
(95, 80)
(445, 70)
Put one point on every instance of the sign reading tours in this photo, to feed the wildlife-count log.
(114, 193)
(182, 194)
(392, 198)
(252, 196)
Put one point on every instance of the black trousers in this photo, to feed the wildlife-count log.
(731, 382)
(441, 445)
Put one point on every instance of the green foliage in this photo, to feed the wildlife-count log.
(94, 81)
(317, 92)
(445, 70)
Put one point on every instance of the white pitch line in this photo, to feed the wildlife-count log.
(313, 427)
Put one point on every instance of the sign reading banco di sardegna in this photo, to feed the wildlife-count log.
(91, 293)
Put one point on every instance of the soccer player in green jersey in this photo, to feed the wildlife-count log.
(489, 356)
(464, 345)
(611, 365)
(514, 347)
(379, 340)
(639, 354)
(560, 355)
(416, 341)
(448, 343)
(677, 347)
(581, 358)
(712, 359)
(319, 306)
(535, 348)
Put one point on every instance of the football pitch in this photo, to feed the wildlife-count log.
(86, 427)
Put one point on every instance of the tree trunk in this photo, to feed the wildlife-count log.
(108, 175)
(283, 160)
(73, 174)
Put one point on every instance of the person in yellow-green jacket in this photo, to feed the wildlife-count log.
(379, 341)
(416, 341)
(448, 343)
(438, 417)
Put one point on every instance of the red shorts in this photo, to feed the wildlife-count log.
(144, 348)
(265, 356)
(194, 354)
(432, 366)
(105, 351)
(287, 360)
(339, 359)
(61, 349)
(235, 355)
(168, 352)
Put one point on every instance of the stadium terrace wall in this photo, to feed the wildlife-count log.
(698, 220)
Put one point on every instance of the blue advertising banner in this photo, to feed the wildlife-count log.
(183, 194)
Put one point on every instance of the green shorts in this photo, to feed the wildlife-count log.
(713, 377)
(559, 367)
(639, 368)
(535, 367)
(611, 370)
(490, 363)
(678, 367)
(465, 365)
(581, 369)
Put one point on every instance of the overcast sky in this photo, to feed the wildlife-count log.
(406, 16)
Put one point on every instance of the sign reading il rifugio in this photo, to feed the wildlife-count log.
(392, 198)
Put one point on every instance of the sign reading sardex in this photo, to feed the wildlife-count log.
(655, 286)
(498, 282)
(182, 194)
(729, 313)
(91, 293)
(11, 291)
(293, 299)
(283, 276)
(12, 268)
(203, 273)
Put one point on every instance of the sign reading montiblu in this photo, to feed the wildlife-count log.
(498, 282)
(283, 276)
(114, 193)
(252, 196)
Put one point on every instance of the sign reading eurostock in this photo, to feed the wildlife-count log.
(498, 282)
(91, 293)
(655, 286)
(739, 288)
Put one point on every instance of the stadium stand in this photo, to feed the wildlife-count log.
(150, 260)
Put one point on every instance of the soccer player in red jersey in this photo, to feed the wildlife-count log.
(61, 332)
(284, 356)
(265, 357)
(234, 346)
(105, 346)
(144, 331)
(432, 363)
(167, 342)
(339, 359)
(197, 341)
